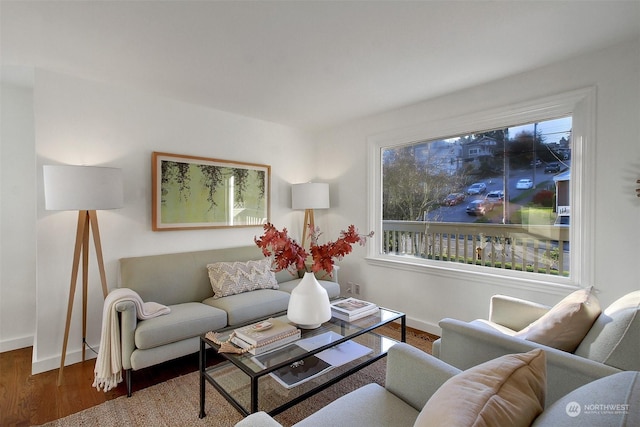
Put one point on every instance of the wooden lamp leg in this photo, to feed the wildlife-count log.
(93, 216)
(85, 280)
(86, 220)
(82, 220)
(308, 222)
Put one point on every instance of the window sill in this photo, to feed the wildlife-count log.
(471, 273)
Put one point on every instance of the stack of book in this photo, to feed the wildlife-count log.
(352, 309)
(265, 336)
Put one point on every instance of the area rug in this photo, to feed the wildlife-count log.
(176, 402)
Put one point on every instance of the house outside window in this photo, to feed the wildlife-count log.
(500, 193)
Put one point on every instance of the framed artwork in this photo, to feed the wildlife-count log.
(198, 192)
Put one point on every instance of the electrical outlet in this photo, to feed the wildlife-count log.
(350, 288)
(357, 289)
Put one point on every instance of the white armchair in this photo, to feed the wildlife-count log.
(612, 344)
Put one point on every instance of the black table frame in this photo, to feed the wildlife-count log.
(255, 376)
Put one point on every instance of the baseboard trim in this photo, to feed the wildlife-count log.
(421, 325)
(16, 343)
(51, 363)
(424, 326)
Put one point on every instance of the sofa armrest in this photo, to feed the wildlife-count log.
(414, 375)
(258, 419)
(128, 324)
(515, 313)
(464, 345)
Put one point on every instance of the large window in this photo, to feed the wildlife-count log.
(497, 193)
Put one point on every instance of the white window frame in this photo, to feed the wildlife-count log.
(580, 104)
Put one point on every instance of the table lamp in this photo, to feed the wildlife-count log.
(309, 196)
(85, 189)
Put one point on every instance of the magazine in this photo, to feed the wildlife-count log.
(300, 371)
(318, 341)
(344, 353)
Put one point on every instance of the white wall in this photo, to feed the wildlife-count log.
(427, 296)
(80, 122)
(17, 218)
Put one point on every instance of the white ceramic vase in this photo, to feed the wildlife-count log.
(309, 305)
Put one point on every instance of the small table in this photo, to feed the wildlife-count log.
(247, 385)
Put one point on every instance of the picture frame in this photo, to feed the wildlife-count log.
(191, 192)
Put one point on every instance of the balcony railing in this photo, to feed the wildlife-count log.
(542, 249)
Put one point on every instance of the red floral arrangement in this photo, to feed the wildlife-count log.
(287, 254)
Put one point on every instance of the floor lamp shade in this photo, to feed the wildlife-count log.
(310, 195)
(82, 188)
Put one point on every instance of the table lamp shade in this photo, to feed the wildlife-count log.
(310, 196)
(82, 188)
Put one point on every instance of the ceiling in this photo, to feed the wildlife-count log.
(305, 64)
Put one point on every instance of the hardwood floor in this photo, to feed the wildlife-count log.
(27, 400)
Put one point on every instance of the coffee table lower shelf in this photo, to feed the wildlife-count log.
(251, 388)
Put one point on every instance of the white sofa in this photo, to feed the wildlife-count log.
(611, 345)
(181, 281)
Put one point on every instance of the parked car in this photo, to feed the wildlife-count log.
(453, 199)
(553, 167)
(537, 163)
(524, 184)
(479, 207)
(477, 188)
(495, 197)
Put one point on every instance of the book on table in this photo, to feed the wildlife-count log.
(301, 371)
(263, 332)
(352, 317)
(264, 348)
(352, 309)
(266, 335)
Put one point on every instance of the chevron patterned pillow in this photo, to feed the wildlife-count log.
(230, 278)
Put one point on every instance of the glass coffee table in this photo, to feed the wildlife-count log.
(265, 382)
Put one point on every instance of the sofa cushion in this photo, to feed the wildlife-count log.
(250, 306)
(614, 338)
(370, 405)
(507, 391)
(231, 278)
(185, 321)
(566, 324)
(332, 288)
(609, 401)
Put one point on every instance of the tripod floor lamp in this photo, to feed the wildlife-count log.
(85, 189)
(309, 196)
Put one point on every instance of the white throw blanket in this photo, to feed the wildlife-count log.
(108, 370)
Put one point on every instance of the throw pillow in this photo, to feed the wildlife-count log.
(231, 278)
(566, 324)
(507, 391)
